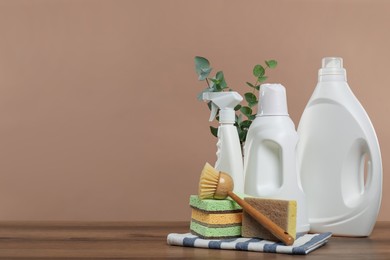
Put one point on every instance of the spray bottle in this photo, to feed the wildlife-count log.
(229, 156)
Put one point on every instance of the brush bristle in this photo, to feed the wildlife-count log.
(208, 182)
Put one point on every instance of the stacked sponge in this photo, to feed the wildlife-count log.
(220, 219)
(215, 219)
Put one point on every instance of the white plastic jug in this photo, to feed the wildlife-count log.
(338, 147)
(270, 154)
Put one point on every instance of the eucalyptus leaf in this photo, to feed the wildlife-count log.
(250, 97)
(223, 84)
(204, 74)
(218, 87)
(271, 63)
(202, 67)
(216, 81)
(262, 78)
(214, 131)
(221, 78)
(243, 139)
(242, 135)
(219, 75)
(239, 119)
(247, 111)
(239, 130)
(236, 108)
(252, 104)
(246, 124)
(201, 63)
(258, 70)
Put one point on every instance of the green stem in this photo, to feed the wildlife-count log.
(254, 89)
(207, 81)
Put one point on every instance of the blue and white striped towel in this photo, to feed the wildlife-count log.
(302, 246)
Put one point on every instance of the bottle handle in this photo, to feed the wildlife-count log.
(372, 168)
(360, 175)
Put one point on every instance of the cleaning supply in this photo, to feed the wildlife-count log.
(229, 155)
(215, 231)
(219, 185)
(338, 149)
(216, 206)
(270, 154)
(282, 212)
(215, 219)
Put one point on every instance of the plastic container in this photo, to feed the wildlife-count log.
(270, 154)
(339, 157)
(229, 156)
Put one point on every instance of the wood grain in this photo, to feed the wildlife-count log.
(145, 240)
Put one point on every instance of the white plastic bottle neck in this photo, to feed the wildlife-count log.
(334, 77)
(227, 116)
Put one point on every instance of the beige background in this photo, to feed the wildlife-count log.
(98, 112)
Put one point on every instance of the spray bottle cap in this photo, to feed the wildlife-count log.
(332, 69)
(273, 101)
(226, 101)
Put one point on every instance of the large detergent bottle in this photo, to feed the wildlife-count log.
(339, 157)
(270, 153)
(229, 156)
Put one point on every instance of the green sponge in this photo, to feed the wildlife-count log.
(217, 206)
(215, 232)
(215, 219)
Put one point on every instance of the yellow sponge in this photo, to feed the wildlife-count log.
(217, 218)
(282, 212)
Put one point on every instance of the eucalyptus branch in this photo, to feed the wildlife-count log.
(203, 69)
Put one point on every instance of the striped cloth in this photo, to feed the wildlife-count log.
(303, 245)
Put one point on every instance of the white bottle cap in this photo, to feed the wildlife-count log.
(332, 63)
(332, 69)
(272, 100)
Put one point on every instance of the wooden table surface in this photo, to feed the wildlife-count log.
(145, 240)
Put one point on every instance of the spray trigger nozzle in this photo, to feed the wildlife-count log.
(225, 101)
(214, 110)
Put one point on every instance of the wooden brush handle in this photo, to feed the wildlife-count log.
(263, 220)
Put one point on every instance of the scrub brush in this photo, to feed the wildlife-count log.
(219, 185)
